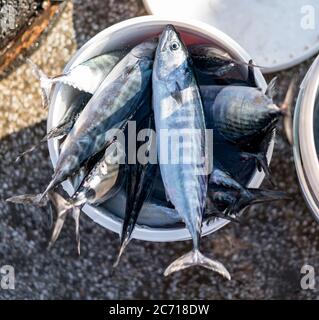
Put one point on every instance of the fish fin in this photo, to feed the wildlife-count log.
(167, 196)
(195, 258)
(59, 131)
(271, 89)
(57, 228)
(223, 178)
(45, 82)
(251, 73)
(260, 195)
(24, 153)
(33, 199)
(121, 251)
(221, 215)
(286, 110)
(49, 188)
(63, 207)
(76, 216)
(177, 93)
(255, 196)
(262, 163)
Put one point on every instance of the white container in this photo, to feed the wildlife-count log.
(278, 34)
(131, 32)
(305, 153)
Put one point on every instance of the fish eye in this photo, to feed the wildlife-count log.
(174, 45)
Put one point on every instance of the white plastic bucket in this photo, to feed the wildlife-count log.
(131, 32)
(305, 153)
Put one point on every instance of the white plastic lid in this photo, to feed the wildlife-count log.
(277, 34)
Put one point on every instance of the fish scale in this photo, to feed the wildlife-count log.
(102, 113)
(177, 105)
(94, 69)
(239, 113)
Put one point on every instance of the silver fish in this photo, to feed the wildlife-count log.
(140, 179)
(116, 100)
(177, 105)
(103, 182)
(212, 60)
(239, 113)
(227, 197)
(215, 66)
(86, 76)
(244, 116)
(95, 183)
(66, 123)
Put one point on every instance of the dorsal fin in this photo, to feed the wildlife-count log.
(270, 92)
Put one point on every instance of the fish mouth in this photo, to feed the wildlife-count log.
(273, 108)
(167, 34)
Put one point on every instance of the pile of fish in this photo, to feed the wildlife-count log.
(162, 85)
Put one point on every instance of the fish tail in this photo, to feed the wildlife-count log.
(76, 216)
(214, 215)
(254, 196)
(196, 258)
(262, 163)
(45, 82)
(63, 207)
(127, 229)
(59, 131)
(47, 191)
(57, 228)
(121, 251)
(286, 110)
(31, 149)
(37, 200)
(260, 195)
(33, 199)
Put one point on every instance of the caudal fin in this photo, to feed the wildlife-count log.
(195, 258)
(121, 251)
(45, 82)
(31, 149)
(262, 163)
(268, 195)
(57, 132)
(62, 208)
(34, 199)
(286, 109)
(76, 216)
(254, 196)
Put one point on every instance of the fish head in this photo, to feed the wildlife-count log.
(264, 107)
(261, 110)
(171, 53)
(145, 49)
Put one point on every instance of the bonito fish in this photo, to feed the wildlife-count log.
(177, 105)
(140, 179)
(66, 123)
(86, 76)
(113, 104)
(101, 183)
(245, 116)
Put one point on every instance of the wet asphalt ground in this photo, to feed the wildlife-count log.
(264, 253)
